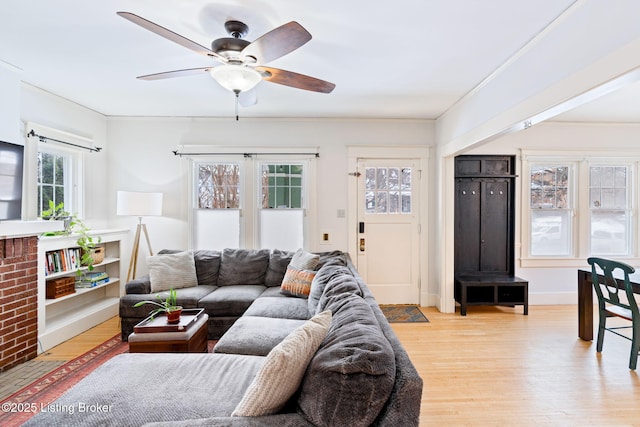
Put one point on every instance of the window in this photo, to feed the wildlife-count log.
(576, 208)
(282, 203)
(54, 180)
(609, 210)
(387, 190)
(282, 186)
(551, 219)
(219, 186)
(217, 211)
(272, 196)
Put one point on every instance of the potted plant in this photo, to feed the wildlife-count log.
(57, 212)
(72, 224)
(169, 305)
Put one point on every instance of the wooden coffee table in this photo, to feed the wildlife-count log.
(192, 340)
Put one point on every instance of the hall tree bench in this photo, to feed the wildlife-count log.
(491, 290)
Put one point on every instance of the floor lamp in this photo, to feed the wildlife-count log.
(138, 204)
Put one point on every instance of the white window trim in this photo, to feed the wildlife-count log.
(76, 180)
(581, 211)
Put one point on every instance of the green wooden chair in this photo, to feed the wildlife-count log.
(609, 304)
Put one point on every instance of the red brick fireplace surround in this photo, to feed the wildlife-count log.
(18, 300)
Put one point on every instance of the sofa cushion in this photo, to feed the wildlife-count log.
(282, 371)
(344, 283)
(255, 336)
(297, 283)
(243, 267)
(274, 292)
(138, 387)
(141, 285)
(303, 260)
(207, 266)
(323, 276)
(351, 376)
(278, 263)
(230, 300)
(284, 308)
(175, 271)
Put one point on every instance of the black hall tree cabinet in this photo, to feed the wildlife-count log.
(484, 233)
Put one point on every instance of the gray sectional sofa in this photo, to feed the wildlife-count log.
(359, 375)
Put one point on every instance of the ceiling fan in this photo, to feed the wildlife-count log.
(242, 62)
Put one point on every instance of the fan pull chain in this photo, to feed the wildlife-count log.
(237, 93)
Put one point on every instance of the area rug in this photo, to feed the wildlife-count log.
(403, 313)
(26, 402)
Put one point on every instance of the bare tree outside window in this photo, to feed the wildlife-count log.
(219, 186)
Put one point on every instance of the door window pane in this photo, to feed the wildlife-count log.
(382, 195)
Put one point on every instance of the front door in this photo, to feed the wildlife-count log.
(388, 250)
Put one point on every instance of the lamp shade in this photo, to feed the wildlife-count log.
(236, 78)
(138, 204)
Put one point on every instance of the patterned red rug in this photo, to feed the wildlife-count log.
(26, 402)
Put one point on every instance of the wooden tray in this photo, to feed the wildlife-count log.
(159, 323)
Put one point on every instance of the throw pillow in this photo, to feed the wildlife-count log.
(303, 260)
(283, 369)
(297, 283)
(172, 271)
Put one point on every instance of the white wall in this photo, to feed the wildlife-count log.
(61, 114)
(9, 104)
(141, 159)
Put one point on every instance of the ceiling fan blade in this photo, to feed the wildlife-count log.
(300, 81)
(170, 35)
(177, 73)
(248, 98)
(277, 42)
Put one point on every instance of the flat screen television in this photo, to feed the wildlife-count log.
(11, 176)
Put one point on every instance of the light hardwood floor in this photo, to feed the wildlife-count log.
(496, 367)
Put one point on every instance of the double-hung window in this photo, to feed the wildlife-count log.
(250, 203)
(576, 207)
(551, 209)
(57, 171)
(609, 209)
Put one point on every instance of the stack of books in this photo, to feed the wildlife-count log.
(92, 279)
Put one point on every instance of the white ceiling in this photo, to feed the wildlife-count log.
(401, 59)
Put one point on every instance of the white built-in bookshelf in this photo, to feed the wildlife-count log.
(62, 318)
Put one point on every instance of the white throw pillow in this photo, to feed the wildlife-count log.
(175, 271)
(283, 369)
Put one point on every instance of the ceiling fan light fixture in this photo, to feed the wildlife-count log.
(236, 78)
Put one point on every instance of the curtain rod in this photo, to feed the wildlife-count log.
(176, 153)
(46, 138)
